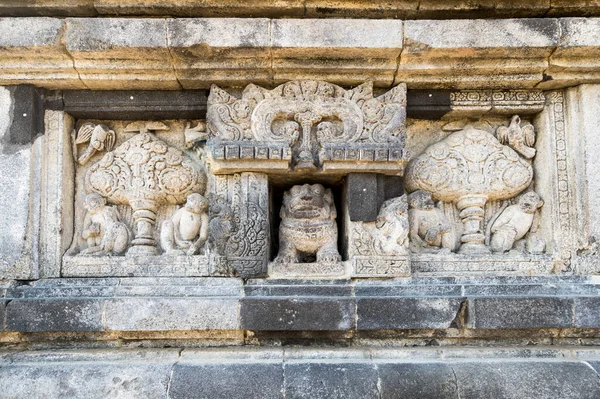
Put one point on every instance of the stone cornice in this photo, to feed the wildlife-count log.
(172, 53)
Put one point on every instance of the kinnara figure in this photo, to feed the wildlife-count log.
(430, 230)
(514, 222)
(102, 228)
(187, 229)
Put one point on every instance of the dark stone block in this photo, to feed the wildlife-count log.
(511, 312)
(136, 104)
(230, 381)
(28, 114)
(587, 312)
(516, 380)
(408, 290)
(366, 192)
(298, 288)
(330, 381)
(427, 104)
(509, 290)
(417, 381)
(595, 365)
(54, 315)
(3, 303)
(301, 313)
(406, 313)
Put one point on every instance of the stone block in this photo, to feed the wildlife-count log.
(406, 313)
(31, 52)
(586, 312)
(162, 314)
(91, 380)
(220, 51)
(66, 8)
(510, 53)
(482, 9)
(135, 104)
(297, 314)
(330, 380)
(43, 315)
(227, 380)
(108, 51)
(516, 313)
(539, 379)
(576, 58)
(416, 380)
(341, 51)
(193, 8)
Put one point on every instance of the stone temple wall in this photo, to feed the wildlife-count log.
(299, 199)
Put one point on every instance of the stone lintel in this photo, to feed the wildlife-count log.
(193, 53)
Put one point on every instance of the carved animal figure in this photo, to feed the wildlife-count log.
(520, 138)
(187, 229)
(308, 226)
(391, 233)
(221, 224)
(100, 138)
(514, 222)
(430, 230)
(102, 228)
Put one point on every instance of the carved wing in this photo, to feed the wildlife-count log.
(529, 135)
(110, 141)
(502, 134)
(85, 133)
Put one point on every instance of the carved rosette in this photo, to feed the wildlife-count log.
(145, 173)
(308, 124)
(469, 168)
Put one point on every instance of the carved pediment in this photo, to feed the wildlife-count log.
(307, 125)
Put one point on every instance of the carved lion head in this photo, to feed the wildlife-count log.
(308, 201)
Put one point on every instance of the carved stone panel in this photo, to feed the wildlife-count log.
(307, 126)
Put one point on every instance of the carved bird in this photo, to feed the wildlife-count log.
(100, 137)
(520, 138)
(195, 135)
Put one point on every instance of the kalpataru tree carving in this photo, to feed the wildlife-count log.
(308, 229)
(308, 126)
(145, 173)
(470, 168)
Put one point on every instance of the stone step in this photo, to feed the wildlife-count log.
(292, 372)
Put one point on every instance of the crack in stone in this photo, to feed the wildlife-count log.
(172, 371)
(455, 382)
(62, 42)
(171, 56)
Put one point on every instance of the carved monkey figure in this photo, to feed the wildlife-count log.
(187, 229)
(102, 228)
(514, 222)
(430, 230)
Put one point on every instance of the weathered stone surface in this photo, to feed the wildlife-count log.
(227, 380)
(32, 52)
(477, 53)
(296, 314)
(586, 312)
(108, 52)
(80, 379)
(71, 314)
(330, 380)
(343, 51)
(406, 313)
(160, 314)
(512, 312)
(576, 58)
(508, 380)
(203, 54)
(414, 380)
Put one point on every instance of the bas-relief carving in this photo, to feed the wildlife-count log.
(308, 229)
(381, 248)
(134, 193)
(145, 173)
(308, 126)
(471, 167)
(103, 230)
(430, 229)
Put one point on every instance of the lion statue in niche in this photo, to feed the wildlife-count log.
(308, 228)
